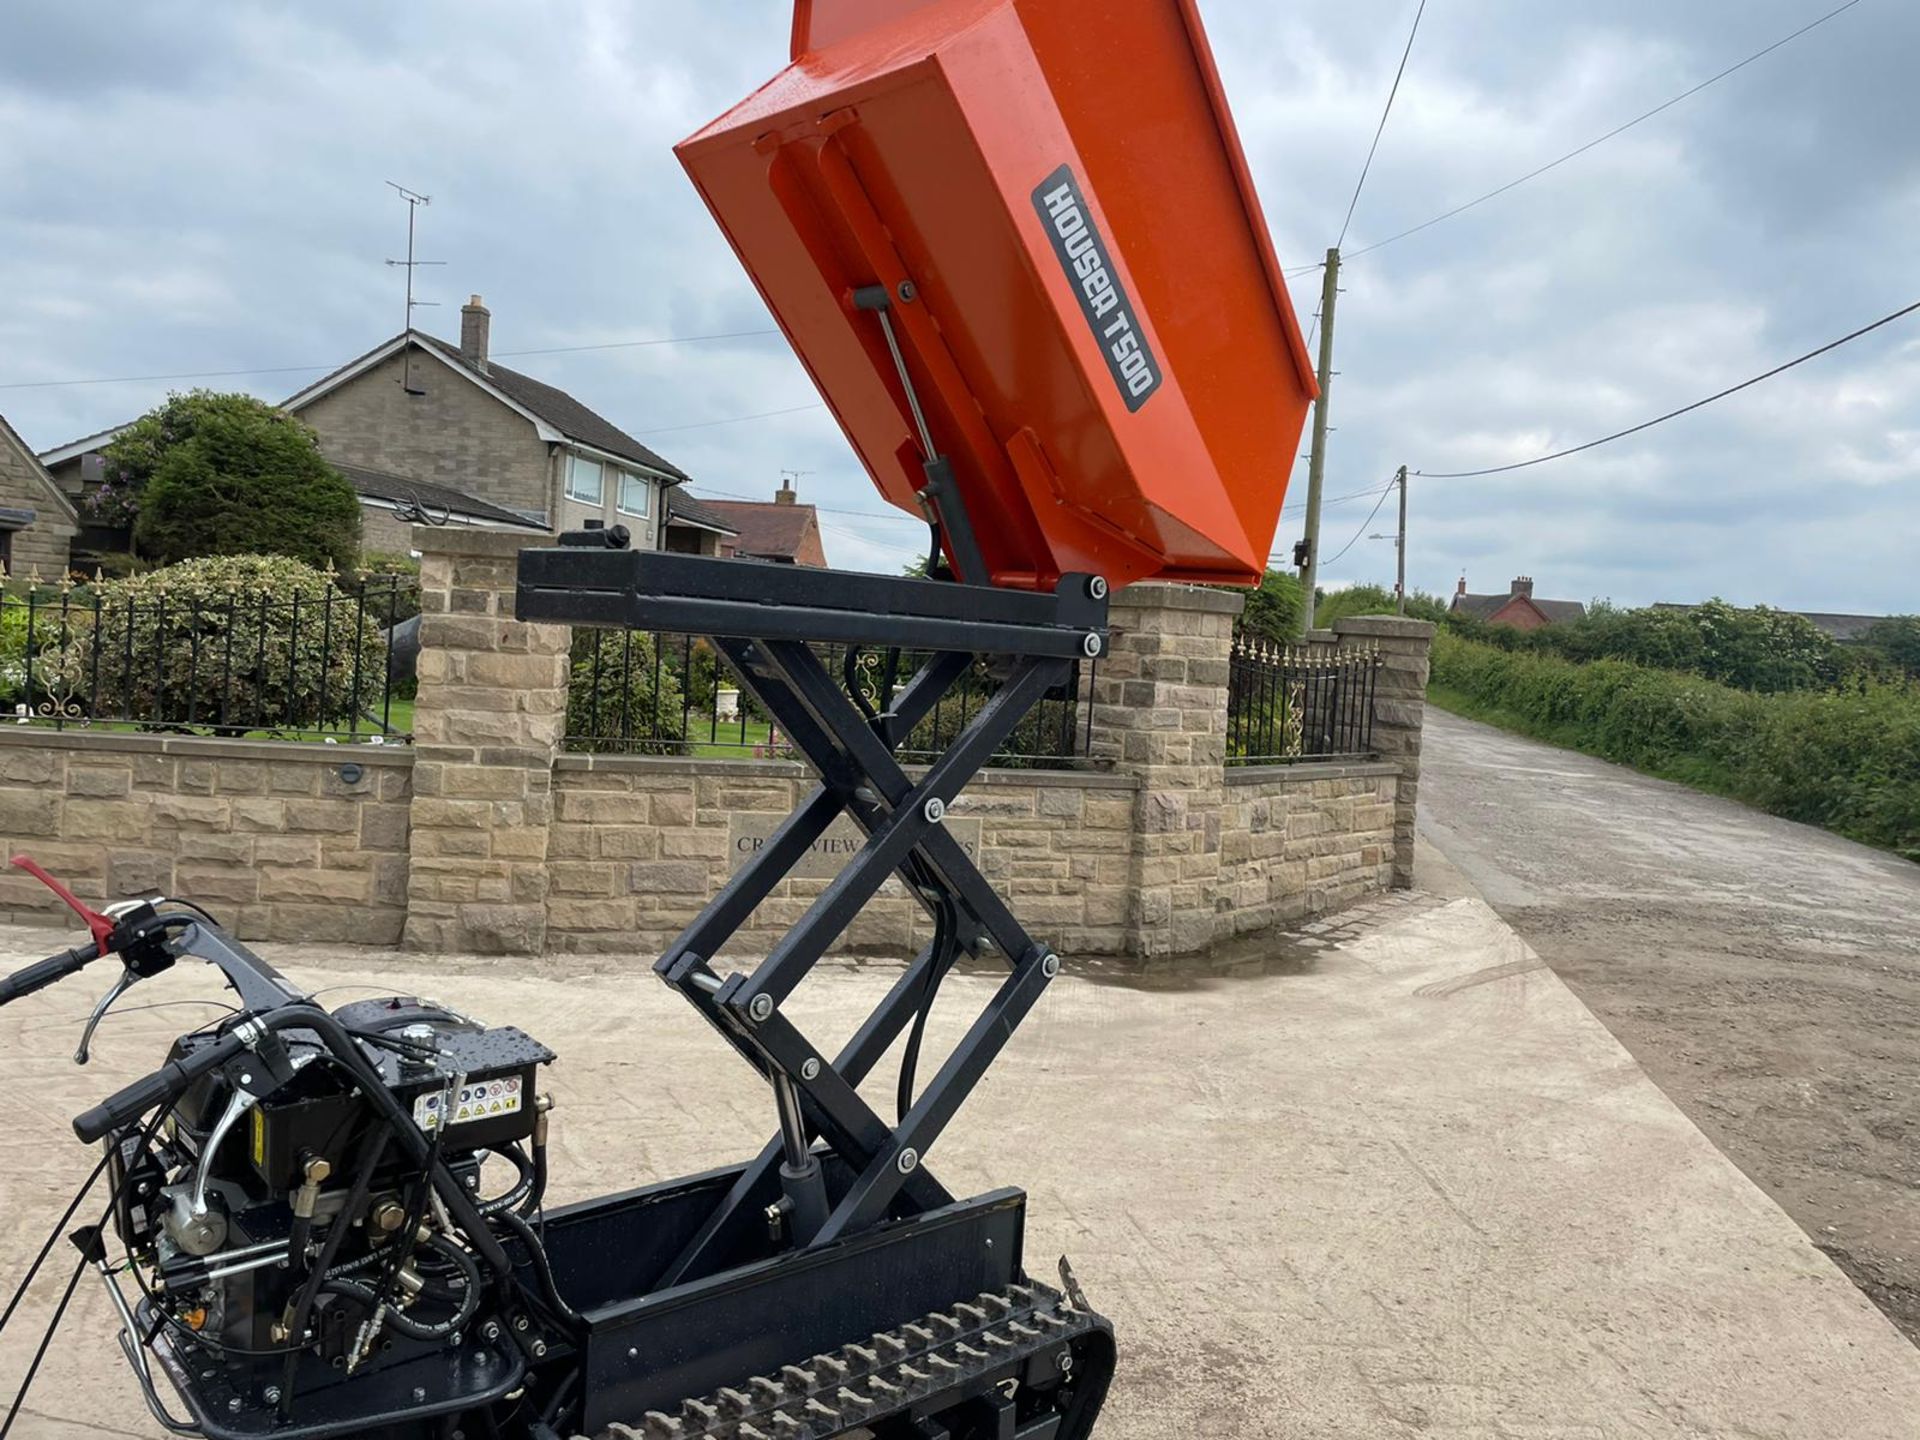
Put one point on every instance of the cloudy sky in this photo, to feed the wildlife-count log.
(191, 186)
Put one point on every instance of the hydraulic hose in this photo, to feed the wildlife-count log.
(369, 1160)
(405, 1324)
(516, 1197)
(543, 1269)
(538, 1192)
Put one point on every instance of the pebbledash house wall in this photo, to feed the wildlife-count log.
(485, 836)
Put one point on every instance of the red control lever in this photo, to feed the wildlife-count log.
(100, 925)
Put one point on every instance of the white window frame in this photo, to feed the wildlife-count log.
(620, 494)
(575, 464)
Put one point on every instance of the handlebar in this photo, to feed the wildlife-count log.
(167, 1083)
(43, 973)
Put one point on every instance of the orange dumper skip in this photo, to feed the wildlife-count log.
(1051, 198)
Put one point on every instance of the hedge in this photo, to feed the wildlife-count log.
(1847, 759)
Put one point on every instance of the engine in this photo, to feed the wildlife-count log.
(289, 1222)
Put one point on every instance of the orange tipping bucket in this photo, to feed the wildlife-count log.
(1053, 195)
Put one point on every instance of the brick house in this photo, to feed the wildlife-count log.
(37, 522)
(1518, 608)
(781, 530)
(431, 432)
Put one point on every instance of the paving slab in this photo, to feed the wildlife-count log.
(1404, 1185)
(1766, 974)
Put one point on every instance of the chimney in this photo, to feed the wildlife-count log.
(475, 323)
(784, 495)
(1524, 586)
(1463, 586)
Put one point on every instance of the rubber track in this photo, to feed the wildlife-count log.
(940, 1358)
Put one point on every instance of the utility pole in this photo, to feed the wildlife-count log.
(1317, 463)
(1399, 539)
(1400, 588)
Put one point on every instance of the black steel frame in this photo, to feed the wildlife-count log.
(763, 619)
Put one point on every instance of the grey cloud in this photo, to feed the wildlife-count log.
(188, 185)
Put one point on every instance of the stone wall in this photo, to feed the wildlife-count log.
(484, 836)
(639, 845)
(1305, 839)
(280, 841)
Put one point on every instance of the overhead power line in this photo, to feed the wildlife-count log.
(1381, 129)
(709, 492)
(1336, 500)
(730, 420)
(643, 344)
(1601, 140)
(308, 369)
(1683, 410)
(1363, 525)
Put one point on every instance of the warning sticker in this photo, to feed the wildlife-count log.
(481, 1100)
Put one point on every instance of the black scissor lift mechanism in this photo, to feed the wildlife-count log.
(836, 1254)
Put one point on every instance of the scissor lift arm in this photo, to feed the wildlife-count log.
(866, 1184)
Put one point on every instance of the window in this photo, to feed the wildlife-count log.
(585, 481)
(633, 494)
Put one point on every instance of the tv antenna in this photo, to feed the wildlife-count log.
(414, 201)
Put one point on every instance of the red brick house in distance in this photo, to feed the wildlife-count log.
(781, 530)
(1517, 608)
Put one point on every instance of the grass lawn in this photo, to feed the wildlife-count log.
(399, 718)
(736, 742)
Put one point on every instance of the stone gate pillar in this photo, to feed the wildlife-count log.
(487, 727)
(1399, 711)
(1160, 714)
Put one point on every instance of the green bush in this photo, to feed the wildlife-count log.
(1847, 759)
(1374, 600)
(1268, 726)
(1756, 648)
(619, 702)
(14, 645)
(1273, 610)
(233, 642)
(390, 583)
(211, 474)
(1895, 643)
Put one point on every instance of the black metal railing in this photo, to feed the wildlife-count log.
(1287, 703)
(308, 664)
(633, 693)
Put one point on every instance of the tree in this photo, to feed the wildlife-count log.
(1273, 610)
(1898, 638)
(214, 474)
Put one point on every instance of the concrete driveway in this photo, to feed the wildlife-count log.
(1766, 974)
(1385, 1179)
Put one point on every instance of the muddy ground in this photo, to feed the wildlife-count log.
(1766, 974)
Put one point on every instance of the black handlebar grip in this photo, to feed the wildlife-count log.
(44, 972)
(124, 1107)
